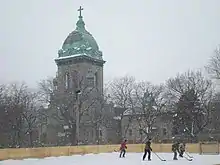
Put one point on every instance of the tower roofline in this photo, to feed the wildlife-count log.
(80, 41)
(78, 59)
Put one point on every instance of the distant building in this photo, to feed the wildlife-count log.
(136, 130)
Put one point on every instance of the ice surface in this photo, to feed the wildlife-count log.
(113, 159)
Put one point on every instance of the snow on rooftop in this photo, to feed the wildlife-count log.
(89, 48)
(117, 117)
(66, 57)
(130, 159)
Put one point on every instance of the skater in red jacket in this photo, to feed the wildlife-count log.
(123, 148)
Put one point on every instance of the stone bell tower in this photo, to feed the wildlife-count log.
(80, 58)
(80, 68)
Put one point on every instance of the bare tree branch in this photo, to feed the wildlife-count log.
(121, 91)
(213, 67)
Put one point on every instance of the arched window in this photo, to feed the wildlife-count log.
(67, 80)
(96, 79)
(75, 79)
(90, 78)
(90, 81)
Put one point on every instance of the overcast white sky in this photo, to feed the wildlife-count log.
(149, 39)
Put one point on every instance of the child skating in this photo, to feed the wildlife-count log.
(147, 150)
(175, 149)
(123, 149)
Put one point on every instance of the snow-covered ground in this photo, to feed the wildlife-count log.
(113, 159)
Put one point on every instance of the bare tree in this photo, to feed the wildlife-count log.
(30, 115)
(213, 66)
(191, 94)
(45, 94)
(99, 116)
(14, 99)
(65, 103)
(62, 110)
(46, 89)
(147, 103)
(121, 91)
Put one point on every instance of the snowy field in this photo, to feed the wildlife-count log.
(113, 159)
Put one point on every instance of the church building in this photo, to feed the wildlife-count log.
(78, 90)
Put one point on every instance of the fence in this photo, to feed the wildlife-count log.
(20, 153)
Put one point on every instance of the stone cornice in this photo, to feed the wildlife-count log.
(78, 59)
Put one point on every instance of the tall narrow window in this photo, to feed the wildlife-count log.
(70, 82)
(75, 79)
(67, 80)
(96, 79)
(90, 81)
(90, 78)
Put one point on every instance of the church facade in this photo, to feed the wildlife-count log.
(76, 108)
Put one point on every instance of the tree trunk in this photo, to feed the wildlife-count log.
(31, 138)
(72, 135)
(120, 130)
(97, 135)
(18, 138)
(192, 128)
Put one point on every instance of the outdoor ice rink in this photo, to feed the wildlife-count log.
(113, 159)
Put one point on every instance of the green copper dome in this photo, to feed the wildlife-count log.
(80, 42)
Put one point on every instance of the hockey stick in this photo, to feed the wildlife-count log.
(188, 155)
(143, 141)
(116, 150)
(187, 158)
(159, 157)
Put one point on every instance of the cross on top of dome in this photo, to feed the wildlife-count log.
(80, 42)
(80, 11)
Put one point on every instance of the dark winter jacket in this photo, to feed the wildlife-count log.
(182, 147)
(175, 147)
(148, 146)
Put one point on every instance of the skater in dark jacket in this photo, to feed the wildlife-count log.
(123, 148)
(182, 149)
(147, 150)
(175, 149)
